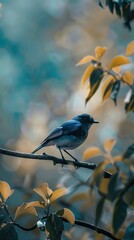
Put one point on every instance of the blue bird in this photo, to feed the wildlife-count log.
(69, 135)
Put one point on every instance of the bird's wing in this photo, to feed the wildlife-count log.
(70, 127)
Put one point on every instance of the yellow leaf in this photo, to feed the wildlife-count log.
(128, 78)
(117, 158)
(78, 197)
(91, 152)
(99, 52)
(118, 60)
(86, 59)
(103, 188)
(67, 214)
(5, 190)
(130, 49)
(87, 73)
(107, 87)
(92, 91)
(99, 172)
(36, 204)
(44, 191)
(117, 69)
(109, 144)
(57, 194)
(24, 209)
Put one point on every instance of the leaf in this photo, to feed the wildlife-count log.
(118, 9)
(99, 210)
(91, 152)
(87, 73)
(36, 204)
(8, 232)
(99, 52)
(129, 101)
(107, 87)
(110, 4)
(67, 214)
(109, 144)
(5, 190)
(44, 191)
(99, 172)
(130, 49)
(128, 196)
(115, 91)
(57, 194)
(119, 214)
(114, 186)
(25, 209)
(100, 4)
(118, 61)
(103, 187)
(86, 59)
(128, 78)
(129, 235)
(129, 152)
(54, 226)
(95, 80)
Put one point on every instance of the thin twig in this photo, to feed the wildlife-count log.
(55, 160)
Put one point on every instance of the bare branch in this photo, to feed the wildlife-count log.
(55, 160)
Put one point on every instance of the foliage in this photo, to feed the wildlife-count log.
(111, 75)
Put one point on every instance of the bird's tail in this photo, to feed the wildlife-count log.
(36, 149)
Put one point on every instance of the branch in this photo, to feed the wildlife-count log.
(55, 160)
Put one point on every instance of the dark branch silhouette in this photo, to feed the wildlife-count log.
(55, 160)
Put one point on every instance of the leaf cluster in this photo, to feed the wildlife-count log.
(111, 76)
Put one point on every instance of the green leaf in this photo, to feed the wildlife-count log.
(55, 227)
(114, 186)
(129, 234)
(129, 101)
(126, 8)
(95, 80)
(110, 4)
(119, 214)
(8, 233)
(100, 4)
(115, 91)
(129, 152)
(118, 9)
(99, 210)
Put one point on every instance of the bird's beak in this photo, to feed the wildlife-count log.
(96, 122)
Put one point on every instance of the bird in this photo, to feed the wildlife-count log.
(69, 135)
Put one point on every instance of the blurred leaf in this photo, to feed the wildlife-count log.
(99, 210)
(129, 101)
(130, 49)
(91, 152)
(110, 4)
(36, 204)
(86, 59)
(100, 3)
(99, 172)
(129, 196)
(95, 80)
(126, 8)
(129, 152)
(114, 186)
(109, 144)
(99, 52)
(129, 234)
(115, 91)
(44, 191)
(54, 226)
(57, 194)
(78, 197)
(24, 209)
(118, 60)
(128, 78)
(107, 87)
(5, 190)
(118, 9)
(87, 73)
(67, 214)
(119, 214)
(120, 233)
(103, 187)
(8, 232)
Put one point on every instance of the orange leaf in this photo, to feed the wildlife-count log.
(130, 49)
(99, 51)
(87, 73)
(67, 214)
(57, 194)
(91, 152)
(118, 60)
(24, 209)
(5, 190)
(117, 69)
(109, 144)
(128, 78)
(86, 59)
(44, 191)
(107, 87)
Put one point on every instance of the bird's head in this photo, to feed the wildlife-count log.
(85, 119)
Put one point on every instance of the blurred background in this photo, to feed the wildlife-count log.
(40, 87)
